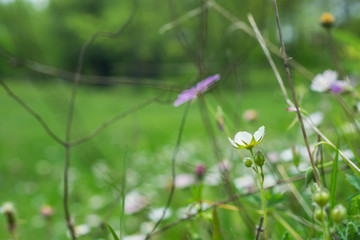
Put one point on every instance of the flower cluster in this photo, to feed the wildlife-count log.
(328, 81)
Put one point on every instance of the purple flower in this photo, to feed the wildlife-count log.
(193, 92)
(200, 171)
(340, 86)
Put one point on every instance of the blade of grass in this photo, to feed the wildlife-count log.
(112, 232)
(287, 226)
(216, 235)
(333, 185)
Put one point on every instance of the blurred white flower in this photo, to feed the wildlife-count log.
(82, 229)
(250, 115)
(7, 207)
(316, 118)
(328, 81)
(147, 227)
(191, 209)
(244, 183)
(184, 180)
(273, 157)
(224, 165)
(213, 178)
(157, 213)
(269, 180)
(247, 140)
(93, 220)
(134, 202)
(322, 82)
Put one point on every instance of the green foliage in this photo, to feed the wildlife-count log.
(352, 232)
(354, 181)
(286, 236)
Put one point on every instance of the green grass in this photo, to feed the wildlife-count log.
(31, 163)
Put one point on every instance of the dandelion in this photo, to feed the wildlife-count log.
(194, 92)
(247, 140)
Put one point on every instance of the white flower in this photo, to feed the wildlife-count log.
(246, 140)
(157, 213)
(323, 82)
(328, 81)
(82, 229)
(7, 207)
(134, 202)
(184, 180)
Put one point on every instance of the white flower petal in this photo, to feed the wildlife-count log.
(323, 82)
(243, 138)
(233, 143)
(259, 134)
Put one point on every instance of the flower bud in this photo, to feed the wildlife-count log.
(319, 214)
(338, 213)
(321, 197)
(200, 171)
(327, 20)
(248, 162)
(259, 158)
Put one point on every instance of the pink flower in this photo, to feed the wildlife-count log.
(193, 92)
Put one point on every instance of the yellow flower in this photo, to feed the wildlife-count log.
(327, 20)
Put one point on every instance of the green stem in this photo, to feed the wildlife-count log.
(264, 205)
(323, 224)
(261, 181)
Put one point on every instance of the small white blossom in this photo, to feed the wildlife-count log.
(82, 229)
(7, 207)
(247, 140)
(157, 213)
(328, 81)
(184, 180)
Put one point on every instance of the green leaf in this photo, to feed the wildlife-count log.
(112, 232)
(354, 181)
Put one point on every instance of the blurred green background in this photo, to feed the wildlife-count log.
(52, 33)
